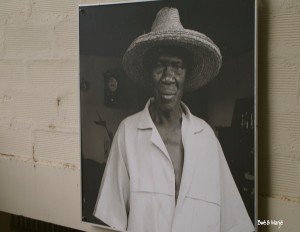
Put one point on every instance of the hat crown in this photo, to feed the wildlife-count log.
(167, 19)
(167, 30)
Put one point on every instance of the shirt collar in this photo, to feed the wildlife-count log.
(145, 120)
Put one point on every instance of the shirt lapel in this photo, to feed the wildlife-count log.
(146, 122)
(191, 131)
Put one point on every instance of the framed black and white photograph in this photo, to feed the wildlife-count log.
(168, 115)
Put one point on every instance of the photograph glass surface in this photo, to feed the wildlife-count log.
(108, 94)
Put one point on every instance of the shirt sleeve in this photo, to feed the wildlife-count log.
(113, 198)
(234, 216)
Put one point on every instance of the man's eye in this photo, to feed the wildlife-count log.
(179, 66)
(158, 65)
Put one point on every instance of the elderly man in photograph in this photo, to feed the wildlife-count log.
(166, 171)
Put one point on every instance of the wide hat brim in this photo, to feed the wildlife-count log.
(206, 56)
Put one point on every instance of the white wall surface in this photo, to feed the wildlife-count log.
(39, 105)
(279, 112)
(39, 111)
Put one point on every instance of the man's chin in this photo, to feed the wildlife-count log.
(168, 105)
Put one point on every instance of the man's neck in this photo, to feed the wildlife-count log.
(166, 118)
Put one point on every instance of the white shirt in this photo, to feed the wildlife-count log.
(137, 192)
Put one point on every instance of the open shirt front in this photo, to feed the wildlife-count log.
(137, 192)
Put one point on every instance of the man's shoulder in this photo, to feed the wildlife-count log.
(200, 122)
(131, 120)
(200, 125)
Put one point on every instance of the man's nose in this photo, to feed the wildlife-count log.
(169, 69)
(168, 79)
(168, 74)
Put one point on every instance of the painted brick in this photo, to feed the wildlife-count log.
(51, 190)
(42, 192)
(286, 130)
(279, 132)
(283, 165)
(5, 107)
(99, 1)
(285, 77)
(25, 41)
(57, 146)
(68, 109)
(54, 7)
(58, 193)
(2, 26)
(66, 44)
(280, 32)
(12, 9)
(287, 174)
(17, 186)
(287, 103)
(70, 184)
(16, 141)
(34, 106)
(28, 106)
(53, 74)
(40, 107)
(12, 74)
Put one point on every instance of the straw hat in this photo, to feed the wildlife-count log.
(167, 30)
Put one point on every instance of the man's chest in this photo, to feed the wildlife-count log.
(155, 162)
(172, 140)
(153, 180)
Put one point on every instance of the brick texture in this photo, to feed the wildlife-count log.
(12, 74)
(15, 141)
(53, 74)
(279, 112)
(14, 9)
(2, 26)
(39, 111)
(27, 41)
(56, 146)
(66, 44)
(54, 7)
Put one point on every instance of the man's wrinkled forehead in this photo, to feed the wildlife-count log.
(170, 58)
(168, 51)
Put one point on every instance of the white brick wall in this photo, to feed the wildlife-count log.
(24, 41)
(57, 147)
(53, 74)
(14, 10)
(16, 141)
(66, 44)
(39, 111)
(12, 74)
(2, 27)
(279, 112)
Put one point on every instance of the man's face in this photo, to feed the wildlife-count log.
(168, 78)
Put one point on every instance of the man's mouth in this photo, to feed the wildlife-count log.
(168, 89)
(167, 96)
(167, 92)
